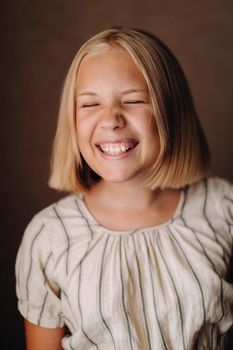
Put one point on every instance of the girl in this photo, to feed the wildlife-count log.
(137, 256)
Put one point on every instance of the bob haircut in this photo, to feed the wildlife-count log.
(184, 154)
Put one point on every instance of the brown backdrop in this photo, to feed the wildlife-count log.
(38, 41)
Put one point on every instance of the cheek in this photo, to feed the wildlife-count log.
(83, 129)
(152, 125)
(86, 124)
(149, 127)
(153, 134)
(152, 122)
(82, 140)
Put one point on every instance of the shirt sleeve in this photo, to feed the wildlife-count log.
(37, 291)
(227, 192)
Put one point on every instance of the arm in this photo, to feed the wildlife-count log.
(39, 338)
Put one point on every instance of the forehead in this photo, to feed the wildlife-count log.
(109, 64)
(105, 52)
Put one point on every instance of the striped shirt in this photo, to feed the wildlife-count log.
(159, 288)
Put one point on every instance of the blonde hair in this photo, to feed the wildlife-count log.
(184, 154)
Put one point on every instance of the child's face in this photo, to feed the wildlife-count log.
(116, 128)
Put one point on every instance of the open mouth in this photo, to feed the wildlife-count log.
(117, 148)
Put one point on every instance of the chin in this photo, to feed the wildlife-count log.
(117, 178)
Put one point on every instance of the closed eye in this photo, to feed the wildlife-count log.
(88, 105)
(134, 102)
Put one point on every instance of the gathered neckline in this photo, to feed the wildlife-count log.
(153, 228)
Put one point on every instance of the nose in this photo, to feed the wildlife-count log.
(112, 119)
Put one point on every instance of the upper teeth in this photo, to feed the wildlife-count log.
(114, 149)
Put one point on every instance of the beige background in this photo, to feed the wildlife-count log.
(38, 42)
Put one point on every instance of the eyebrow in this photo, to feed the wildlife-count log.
(125, 92)
(130, 91)
(87, 93)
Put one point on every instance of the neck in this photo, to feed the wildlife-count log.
(127, 206)
(123, 196)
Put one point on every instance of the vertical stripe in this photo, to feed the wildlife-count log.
(194, 233)
(150, 264)
(71, 311)
(230, 224)
(80, 308)
(67, 239)
(30, 265)
(193, 272)
(212, 264)
(42, 309)
(208, 221)
(46, 264)
(203, 249)
(216, 238)
(100, 292)
(206, 255)
(175, 292)
(86, 221)
(123, 294)
(142, 296)
(200, 244)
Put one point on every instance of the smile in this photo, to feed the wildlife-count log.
(116, 148)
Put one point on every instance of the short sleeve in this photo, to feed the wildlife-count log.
(37, 292)
(227, 203)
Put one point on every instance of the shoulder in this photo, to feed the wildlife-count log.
(219, 193)
(50, 213)
(214, 195)
(220, 187)
(212, 187)
(55, 220)
(64, 209)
